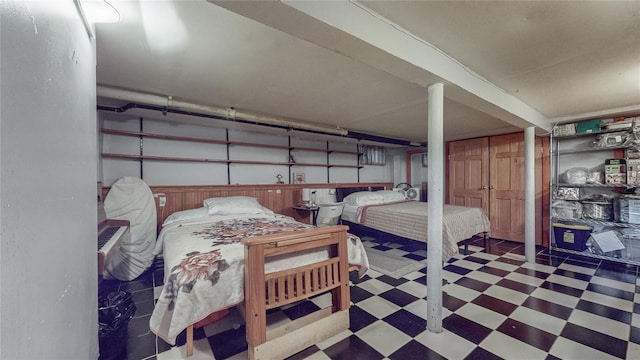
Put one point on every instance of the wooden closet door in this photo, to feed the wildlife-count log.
(468, 173)
(507, 187)
(489, 173)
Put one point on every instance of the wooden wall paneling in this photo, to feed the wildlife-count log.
(278, 197)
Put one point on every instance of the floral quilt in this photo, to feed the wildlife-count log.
(204, 266)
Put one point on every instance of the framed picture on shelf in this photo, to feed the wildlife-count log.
(298, 178)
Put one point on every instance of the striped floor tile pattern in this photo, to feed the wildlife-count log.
(496, 306)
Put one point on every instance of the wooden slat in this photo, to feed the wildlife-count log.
(291, 293)
(321, 279)
(304, 332)
(299, 284)
(281, 289)
(190, 340)
(307, 282)
(315, 281)
(271, 291)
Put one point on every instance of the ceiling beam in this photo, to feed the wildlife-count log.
(353, 30)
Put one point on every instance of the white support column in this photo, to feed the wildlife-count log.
(529, 194)
(435, 149)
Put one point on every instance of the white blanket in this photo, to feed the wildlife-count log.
(204, 266)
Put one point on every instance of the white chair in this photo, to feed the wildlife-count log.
(329, 214)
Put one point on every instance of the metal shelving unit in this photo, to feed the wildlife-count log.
(585, 153)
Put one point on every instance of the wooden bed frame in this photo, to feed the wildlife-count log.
(267, 291)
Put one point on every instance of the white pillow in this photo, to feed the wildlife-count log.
(186, 215)
(233, 205)
(362, 198)
(390, 196)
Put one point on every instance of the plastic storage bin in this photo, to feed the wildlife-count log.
(597, 210)
(589, 126)
(627, 209)
(571, 236)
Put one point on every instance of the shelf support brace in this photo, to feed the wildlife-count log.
(228, 157)
(328, 162)
(141, 140)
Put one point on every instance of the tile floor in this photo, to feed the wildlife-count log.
(496, 306)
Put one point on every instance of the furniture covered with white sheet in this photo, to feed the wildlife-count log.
(329, 214)
(131, 199)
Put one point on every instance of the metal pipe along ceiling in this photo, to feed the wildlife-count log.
(222, 113)
(168, 104)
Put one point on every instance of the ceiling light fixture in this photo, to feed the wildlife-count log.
(100, 11)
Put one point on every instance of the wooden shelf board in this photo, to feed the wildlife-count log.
(308, 149)
(238, 143)
(162, 158)
(163, 137)
(346, 166)
(309, 164)
(247, 162)
(343, 152)
(254, 162)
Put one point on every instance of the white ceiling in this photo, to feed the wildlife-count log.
(365, 66)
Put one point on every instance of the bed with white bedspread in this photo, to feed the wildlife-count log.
(205, 268)
(409, 219)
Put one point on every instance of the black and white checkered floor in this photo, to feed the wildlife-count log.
(496, 306)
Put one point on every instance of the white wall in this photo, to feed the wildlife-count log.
(398, 162)
(156, 172)
(419, 173)
(48, 281)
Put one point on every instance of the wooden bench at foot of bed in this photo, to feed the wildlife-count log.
(264, 291)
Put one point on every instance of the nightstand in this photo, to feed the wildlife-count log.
(312, 209)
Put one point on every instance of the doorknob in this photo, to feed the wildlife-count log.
(491, 187)
(484, 187)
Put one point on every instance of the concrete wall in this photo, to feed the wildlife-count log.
(48, 280)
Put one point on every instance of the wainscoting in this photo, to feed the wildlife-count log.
(278, 197)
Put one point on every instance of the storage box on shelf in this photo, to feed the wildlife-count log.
(571, 236)
(615, 171)
(595, 211)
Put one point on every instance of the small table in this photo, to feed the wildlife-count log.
(312, 209)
